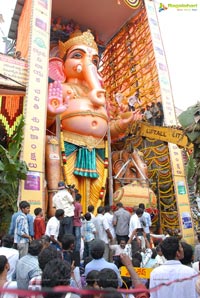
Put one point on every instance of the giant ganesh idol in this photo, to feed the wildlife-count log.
(77, 105)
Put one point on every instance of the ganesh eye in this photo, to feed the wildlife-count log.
(95, 61)
(76, 55)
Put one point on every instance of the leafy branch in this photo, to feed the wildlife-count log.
(12, 170)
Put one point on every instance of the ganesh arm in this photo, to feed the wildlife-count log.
(118, 128)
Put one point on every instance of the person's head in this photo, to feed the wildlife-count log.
(168, 231)
(8, 241)
(88, 216)
(139, 212)
(97, 249)
(154, 253)
(136, 262)
(107, 208)
(198, 237)
(78, 197)
(141, 206)
(4, 265)
(158, 250)
(38, 211)
(172, 249)
(92, 278)
(35, 247)
(135, 246)
(137, 255)
(134, 209)
(57, 272)
(188, 253)
(45, 239)
(59, 214)
(61, 185)
(25, 207)
(90, 208)
(100, 210)
(68, 241)
(108, 278)
(21, 204)
(119, 205)
(48, 254)
(122, 243)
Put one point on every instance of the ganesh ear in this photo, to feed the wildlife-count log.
(56, 69)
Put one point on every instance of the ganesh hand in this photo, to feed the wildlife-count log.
(56, 105)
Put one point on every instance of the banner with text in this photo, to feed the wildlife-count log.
(32, 189)
(176, 159)
(13, 72)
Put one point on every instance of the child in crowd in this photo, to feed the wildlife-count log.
(92, 283)
(88, 232)
(39, 223)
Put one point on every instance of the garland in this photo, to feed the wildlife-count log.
(105, 175)
(63, 155)
(11, 110)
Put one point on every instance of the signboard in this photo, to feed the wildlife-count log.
(165, 134)
(33, 153)
(177, 166)
(13, 72)
(141, 272)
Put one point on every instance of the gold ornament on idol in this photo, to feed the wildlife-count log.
(77, 38)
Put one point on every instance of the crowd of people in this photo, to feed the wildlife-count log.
(86, 252)
(154, 114)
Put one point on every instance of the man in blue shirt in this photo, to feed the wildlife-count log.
(28, 266)
(98, 262)
(13, 222)
(21, 232)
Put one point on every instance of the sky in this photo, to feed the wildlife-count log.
(180, 31)
(6, 10)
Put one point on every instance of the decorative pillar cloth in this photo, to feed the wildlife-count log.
(11, 108)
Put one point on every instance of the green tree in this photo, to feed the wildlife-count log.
(12, 170)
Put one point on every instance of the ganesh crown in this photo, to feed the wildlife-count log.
(77, 38)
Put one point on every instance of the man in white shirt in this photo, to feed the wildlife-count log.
(53, 227)
(102, 230)
(63, 199)
(146, 217)
(118, 248)
(11, 254)
(135, 220)
(136, 225)
(108, 215)
(172, 270)
(160, 259)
